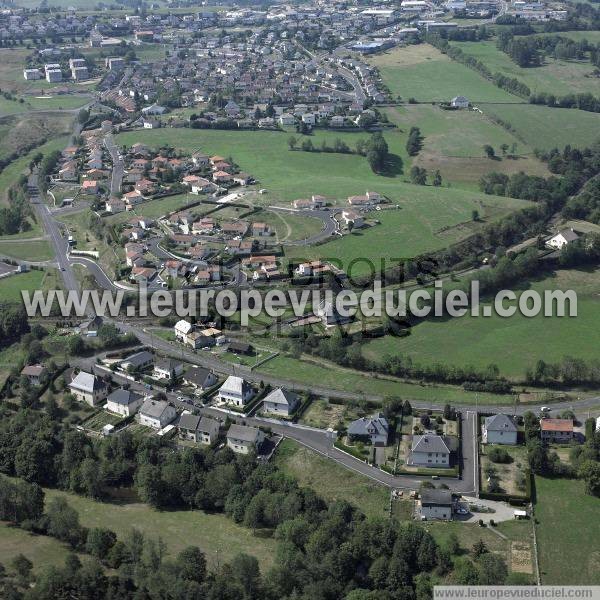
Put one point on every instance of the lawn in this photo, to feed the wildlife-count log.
(10, 287)
(424, 73)
(332, 376)
(215, 534)
(576, 127)
(323, 414)
(507, 473)
(558, 77)
(60, 102)
(156, 208)
(289, 227)
(479, 341)
(330, 480)
(27, 250)
(567, 530)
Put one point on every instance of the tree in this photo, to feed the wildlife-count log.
(192, 564)
(504, 147)
(479, 548)
(307, 146)
(418, 175)
(83, 116)
(292, 142)
(489, 151)
(437, 179)
(589, 471)
(99, 542)
(377, 152)
(475, 215)
(414, 142)
(492, 569)
(22, 566)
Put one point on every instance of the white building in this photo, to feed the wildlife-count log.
(281, 402)
(429, 450)
(124, 402)
(157, 413)
(167, 368)
(236, 391)
(436, 504)
(243, 440)
(88, 388)
(459, 102)
(562, 238)
(499, 429)
(182, 328)
(32, 74)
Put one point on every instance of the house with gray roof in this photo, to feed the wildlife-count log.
(499, 429)
(137, 361)
(167, 368)
(236, 391)
(436, 504)
(199, 378)
(208, 430)
(431, 450)
(281, 402)
(156, 413)
(124, 402)
(188, 426)
(88, 388)
(243, 439)
(373, 430)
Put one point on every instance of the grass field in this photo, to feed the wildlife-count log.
(335, 377)
(27, 250)
(481, 341)
(577, 127)
(215, 534)
(507, 473)
(16, 168)
(10, 287)
(428, 218)
(156, 208)
(330, 480)
(559, 77)
(287, 226)
(424, 73)
(568, 530)
(43, 551)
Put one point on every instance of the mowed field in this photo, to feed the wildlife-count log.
(558, 77)
(568, 530)
(422, 72)
(454, 140)
(545, 128)
(331, 480)
(514, 343)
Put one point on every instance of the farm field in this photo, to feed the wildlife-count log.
(34, 251)
(330, 480)
(480, 341)
(156, 208)
(330, 375)
(427, 218)
(567, 531)
(422, 72)
(454, 140)
(10, 287)
(559, 77)
(530, 123)
(215, 534)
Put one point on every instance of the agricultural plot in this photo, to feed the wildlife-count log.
(479, 341)
(568, 530)
(34, 251)
(530, 124)
(558, 77)
(10, 287)
(156, 208)
(422, 72)
(97, 421)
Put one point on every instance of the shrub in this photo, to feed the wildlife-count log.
(499, 455)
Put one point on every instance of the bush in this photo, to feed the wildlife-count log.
(499, 455)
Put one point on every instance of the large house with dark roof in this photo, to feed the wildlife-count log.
(243, 440)
(431, 450)
(281, 402)
(88, 388)
(124, 402)
(499, 429)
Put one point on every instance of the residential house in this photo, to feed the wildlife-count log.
(562, 238)
(236, 347)
(459, 102)
(167, 368)
(33, 373)
(556, 431)
(199, 378)
(281, 402)
(243, 439)
(430, 450)
(88, 388)
(436, 504)
(182, 329)
(260, 229)
(235, 391)
(124, 402)
(137, 361)
(374, 430)
(188, 426)
(352, 218)
(208, 430)
(115, 205)
(499, 429)
(156, 413)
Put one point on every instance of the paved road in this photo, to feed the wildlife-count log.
(330, 225)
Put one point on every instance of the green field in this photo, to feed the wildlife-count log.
(514, 343)
(331, 480)
(35, 251)
(16, 168)
(558, 77)
(424, 73)
(567, 530)
(61, 102)
(288, 227)
(156, 208)
(215, 534)
(10, 287)
(41, 550)
(530, 123)
(427, 218)
(334, 377)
